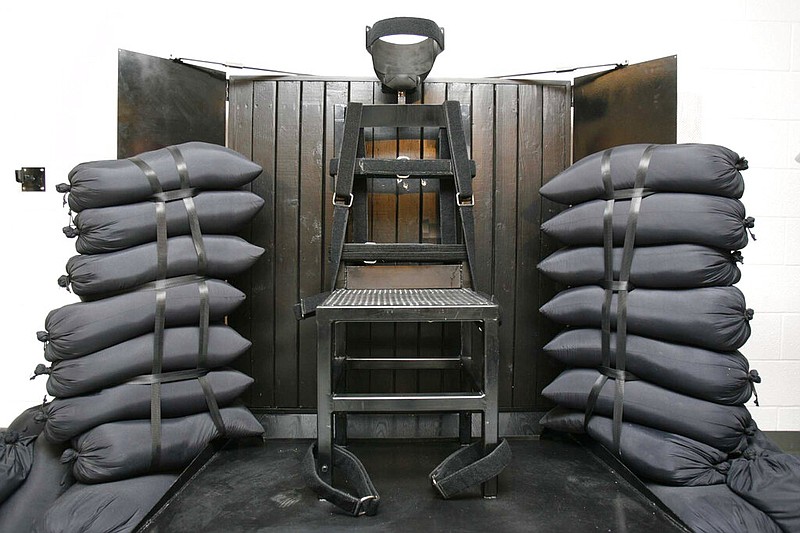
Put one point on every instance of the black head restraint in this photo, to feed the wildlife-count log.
(402, 67)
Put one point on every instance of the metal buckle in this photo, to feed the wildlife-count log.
(342, 204)
(359, 511)
(467, 201)
(436, 486)
(404, 176)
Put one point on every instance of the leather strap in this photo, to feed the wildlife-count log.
(468, 467)
(367, 498)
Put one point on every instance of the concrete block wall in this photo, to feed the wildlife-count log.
(739, 86)
(744, 89)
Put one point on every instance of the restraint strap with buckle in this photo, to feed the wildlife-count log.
(468, 467)
(366, 500)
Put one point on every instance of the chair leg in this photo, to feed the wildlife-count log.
(490, 380)
(324, 401)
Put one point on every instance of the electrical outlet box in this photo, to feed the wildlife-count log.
(31, 178)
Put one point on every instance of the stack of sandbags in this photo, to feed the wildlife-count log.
(139, 367)
(32, 475)
(654, 321)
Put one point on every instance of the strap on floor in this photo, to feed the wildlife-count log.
(367, 499)
(468, 467)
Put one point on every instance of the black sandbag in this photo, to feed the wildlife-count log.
(721, 377)
(116, 507)
(30, 422)
(109, 229)
(47, 480)
(120, 450)
(128, 359)
(664, 218)
(771, 482)
(120, 181)
(724, 427)
(713, 509)
(82, 328)
(16, 459)
(69, 417)
(676, 266)
(760, 441)
(715, 318)
(693, 168)
(649, 453)
(101, 275)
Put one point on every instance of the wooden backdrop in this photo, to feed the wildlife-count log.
(519, 134)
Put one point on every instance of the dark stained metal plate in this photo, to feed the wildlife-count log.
(633, 104)
(161, 102)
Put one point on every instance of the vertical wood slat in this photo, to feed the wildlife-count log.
(505, 229)
(241, 139)
(310, 230)
(287, 189)
(483, 111)
(262, 288)
(527, 330)
(555, 158)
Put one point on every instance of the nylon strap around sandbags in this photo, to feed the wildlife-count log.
(621, 287)
(155, 390)
(622, 296)
(191, 210)
(202, 265)
(608, 269)
(168, 377)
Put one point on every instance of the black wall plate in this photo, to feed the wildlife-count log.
(31, 178)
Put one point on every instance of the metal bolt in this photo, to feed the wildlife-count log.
(324, 468)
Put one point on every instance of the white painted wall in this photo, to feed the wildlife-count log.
(739, 85)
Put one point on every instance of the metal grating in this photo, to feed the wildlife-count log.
(405, 298)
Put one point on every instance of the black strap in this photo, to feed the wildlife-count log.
(155, 390)
(405, 26)
(177, 194)
(367, 498)
(191, 210)
(149, 173)
(465, 200)
(168, 377)
(619, 286)
(468, 467)
(343, 190)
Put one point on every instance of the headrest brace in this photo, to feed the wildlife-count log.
(402, 67)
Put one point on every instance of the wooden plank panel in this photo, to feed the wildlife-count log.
(287, 189)
(483, 110)
(262, 287)
(527, 331)
(241, 140)
(310, 227)
(359, 335)
(505, 230)
(336, 93)
(555, 158)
